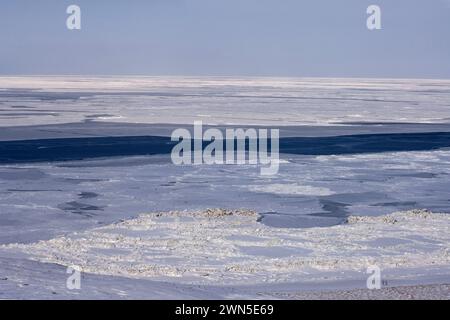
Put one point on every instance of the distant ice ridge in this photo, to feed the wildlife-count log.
(226, 100)
(231, 247)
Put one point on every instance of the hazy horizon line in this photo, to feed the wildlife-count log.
(99, 75)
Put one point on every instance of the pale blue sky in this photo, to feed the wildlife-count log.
(227, 37)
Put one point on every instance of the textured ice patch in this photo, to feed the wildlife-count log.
(294, 189)
(231, 247)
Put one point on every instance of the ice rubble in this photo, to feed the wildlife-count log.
(229, 247)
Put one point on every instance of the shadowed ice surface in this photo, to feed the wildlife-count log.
(41, 200)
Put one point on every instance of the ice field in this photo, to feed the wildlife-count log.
(353, 153)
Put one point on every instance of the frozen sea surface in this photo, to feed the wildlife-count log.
(401, 163)
(219, 101)
(39, 201)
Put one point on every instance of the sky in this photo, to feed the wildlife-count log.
(294, 38)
